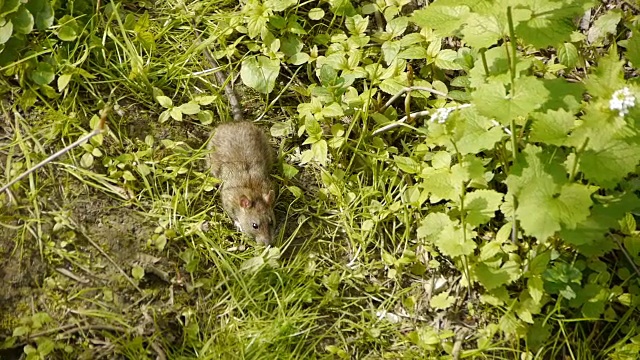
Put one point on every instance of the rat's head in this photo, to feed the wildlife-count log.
(255, 216)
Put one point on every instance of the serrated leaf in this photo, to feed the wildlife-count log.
(491, 277)
(279, 5)
(607, 166)
(442, 301)
(492, 100)
(472, 132)
(137, 272)
(189, 108)
(482, 31)
(552, 127)
(446, 20)
(633, 48)
(164, 101)
(260, 73)
(481, 205)
(568, 55)
(606, 78)
(539, 184)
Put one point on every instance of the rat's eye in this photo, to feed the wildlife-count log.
(255, 226)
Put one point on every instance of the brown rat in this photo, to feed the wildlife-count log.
(240, 156)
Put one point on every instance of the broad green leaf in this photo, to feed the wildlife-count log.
(536, 289)
(63, 81)
(446, 60)
(481, 205)
(8, 7)
(482, 31)
(357, 25)
(279, 5)
(319, 151)
(608, 166)
(42, 11)
(605, 24)
(68, 30)
(550, 22)
(444, 19)
(552, 127)
(447, 235)
(406, 164)
(414, 52)
(607, 77)
(6, 30)
(633, 49)
(22, 21)
(137, 272)
(442, 301)
(492, 100)
(332, 110)
(164, 116)
(175, 113)
(299, 58)
(472, 132)
(260, 73)
(568, 55)
(189, 108)
(164, 101)
(43, 74)
(491, 277)
(539, 183)
(390, 50)
(316, 14)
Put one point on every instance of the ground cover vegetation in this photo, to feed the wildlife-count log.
(457, 179)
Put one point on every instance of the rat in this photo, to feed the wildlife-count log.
(240, 156)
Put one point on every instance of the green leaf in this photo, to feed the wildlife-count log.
(43, 74)
(316, 14)
(68, 30)
(190, 108)
(63, 81)
(446, 20)
(607, 77)
(332, 110)
(607, 166)
(447, 235)
(164, 101)
(164, 116)
(442, 301)
(42, 11)
(539, 183)
(279, 5)
(605, 24)
(492, 101)
(137, 272)
(481, 206)
(536, 289)
(8, 6)
(482, 31)
(633, 48)
(45, 346)
(568, 55)
(86, 160)
(357, 25)
(472, 132)
(22, 21)
(446, 60)
(552, 127)
(397, 26)
(414, 52)
(406, 164)
(390, 50)
(6, 30)
(491, 277)
(319, 151)
(260, 73)
(299, 58)
(175, 113)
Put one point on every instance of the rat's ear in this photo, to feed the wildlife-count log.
(269, 197)
(245, 202)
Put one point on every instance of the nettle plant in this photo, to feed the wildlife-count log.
(524, 178)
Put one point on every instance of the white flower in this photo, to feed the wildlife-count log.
(621, 101)
(441, 114)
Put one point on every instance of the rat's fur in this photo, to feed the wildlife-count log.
(240, 156)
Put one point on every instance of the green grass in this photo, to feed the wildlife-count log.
(345, 253)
